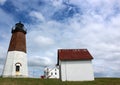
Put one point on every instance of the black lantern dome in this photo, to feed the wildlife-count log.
(19, 27)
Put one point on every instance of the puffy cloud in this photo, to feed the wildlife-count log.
(37, 15)
(40, 61)
(7, 20)
(40, 40)
(2, 2)
(57, 3)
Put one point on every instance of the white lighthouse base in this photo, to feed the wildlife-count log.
(16, 65)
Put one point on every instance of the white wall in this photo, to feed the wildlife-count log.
(12, 58)
(76, 70)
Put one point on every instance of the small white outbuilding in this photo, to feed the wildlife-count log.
(75, 65)
(51, 72)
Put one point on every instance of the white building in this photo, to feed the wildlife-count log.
(75, 65)
(16, 60)
(51, 73)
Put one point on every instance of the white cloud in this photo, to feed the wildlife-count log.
(39, 61)
(2, 1)
(7, 20)
(41, 40)
(57, 3)
(37, 16)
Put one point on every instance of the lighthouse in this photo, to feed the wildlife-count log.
(16, 60)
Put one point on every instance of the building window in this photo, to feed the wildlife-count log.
(51, 73)
(17, 68)
(55, 73)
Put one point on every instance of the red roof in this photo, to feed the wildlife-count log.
(74, 54)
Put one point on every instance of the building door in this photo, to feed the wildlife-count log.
(17, 68)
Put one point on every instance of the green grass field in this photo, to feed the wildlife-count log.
(31, 81)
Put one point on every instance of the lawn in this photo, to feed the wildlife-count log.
(34, 81)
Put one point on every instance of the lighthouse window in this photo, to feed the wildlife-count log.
(17, 68)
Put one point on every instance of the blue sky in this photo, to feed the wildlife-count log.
(55, 24)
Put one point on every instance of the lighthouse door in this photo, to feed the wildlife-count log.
(17, 68)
